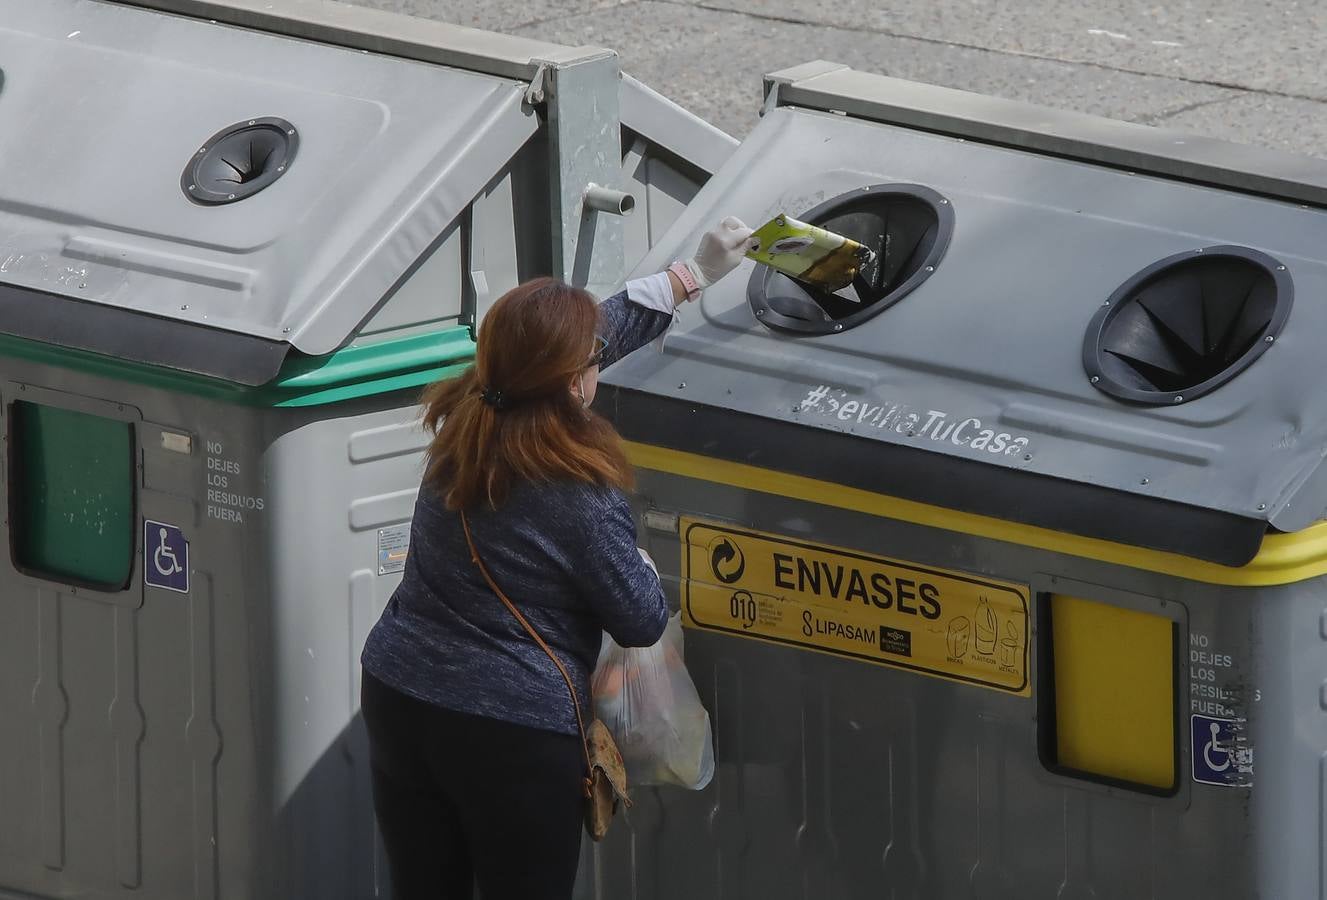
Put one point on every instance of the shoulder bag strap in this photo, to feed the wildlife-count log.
(534, 635)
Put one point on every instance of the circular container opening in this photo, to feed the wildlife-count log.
(239, 161)
(907, 226)
(1187, 324)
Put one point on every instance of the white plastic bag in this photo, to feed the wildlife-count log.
(648, 701)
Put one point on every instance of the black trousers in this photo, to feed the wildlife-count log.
(464, 800)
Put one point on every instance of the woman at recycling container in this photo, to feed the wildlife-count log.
(476, 756)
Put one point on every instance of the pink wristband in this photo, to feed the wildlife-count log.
(688, 280)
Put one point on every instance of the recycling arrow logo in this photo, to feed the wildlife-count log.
(726, 560)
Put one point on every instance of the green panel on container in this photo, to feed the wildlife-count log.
(72, 495)
(399, 364)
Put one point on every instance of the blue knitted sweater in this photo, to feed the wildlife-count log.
(565, 553)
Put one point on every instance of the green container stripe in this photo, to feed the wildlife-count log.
(73, 495)
(349, 374)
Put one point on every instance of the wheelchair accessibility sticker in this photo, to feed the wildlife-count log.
(1221, 755)
(165, 557)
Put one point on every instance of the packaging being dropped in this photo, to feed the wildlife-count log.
(648, 701)
(809, 253)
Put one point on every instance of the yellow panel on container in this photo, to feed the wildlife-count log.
(1114, 691)
(785, 590)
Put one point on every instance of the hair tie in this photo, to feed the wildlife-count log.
(494, 398)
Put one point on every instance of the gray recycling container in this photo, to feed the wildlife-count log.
(235, 240)
(1003, 568)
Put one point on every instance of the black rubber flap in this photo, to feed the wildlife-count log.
(1187, 324)
(953, 483)
(239, 161)
(906, 226)
(136, 337)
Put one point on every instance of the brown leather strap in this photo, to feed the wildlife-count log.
(534, 635)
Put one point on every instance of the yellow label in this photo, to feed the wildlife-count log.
(932, 621)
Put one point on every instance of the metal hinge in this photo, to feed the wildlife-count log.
(540, 85)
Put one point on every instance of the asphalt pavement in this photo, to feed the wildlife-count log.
(1241, 70)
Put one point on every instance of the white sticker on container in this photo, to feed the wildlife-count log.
(393, 546)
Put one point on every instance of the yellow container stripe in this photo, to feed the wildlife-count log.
(1283, 558)
(1114, 691)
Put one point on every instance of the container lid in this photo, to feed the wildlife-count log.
(971, 391)
(213, 176)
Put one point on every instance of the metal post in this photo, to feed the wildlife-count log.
(585, 140)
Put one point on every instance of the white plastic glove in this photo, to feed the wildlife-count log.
(721, 251)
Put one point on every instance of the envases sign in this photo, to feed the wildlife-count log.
(932, 621)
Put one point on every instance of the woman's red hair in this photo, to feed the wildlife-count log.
(534, 341)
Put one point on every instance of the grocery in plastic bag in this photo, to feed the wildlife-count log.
(648, 701)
